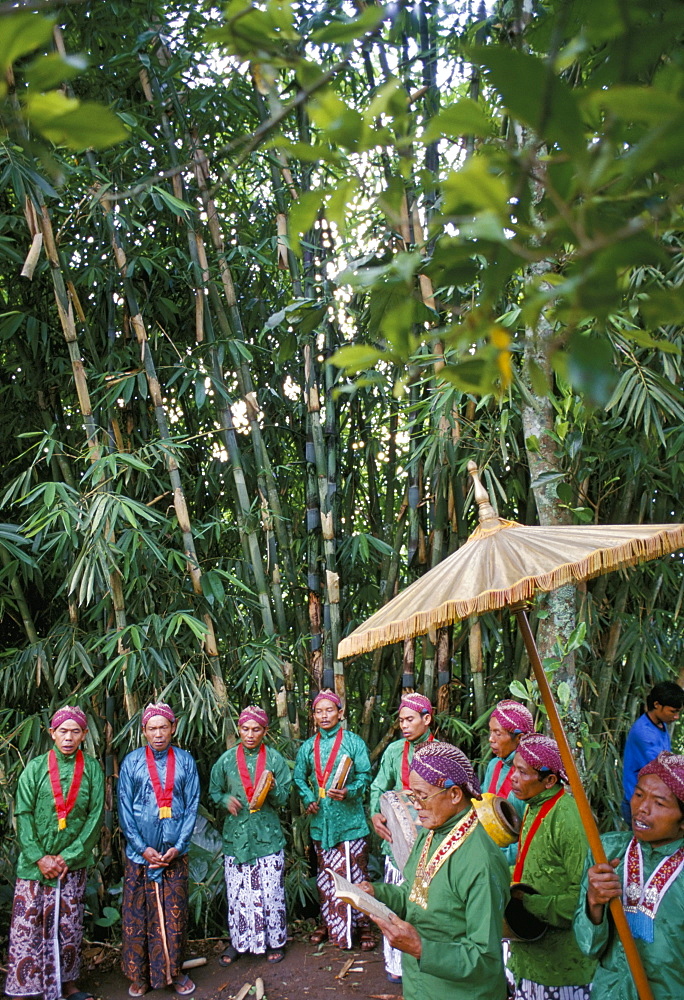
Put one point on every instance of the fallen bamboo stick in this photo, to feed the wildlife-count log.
(194, 963)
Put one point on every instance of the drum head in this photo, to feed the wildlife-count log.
(519, 925)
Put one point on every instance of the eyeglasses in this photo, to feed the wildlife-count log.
(419, 800)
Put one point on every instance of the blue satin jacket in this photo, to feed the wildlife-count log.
(139, 813)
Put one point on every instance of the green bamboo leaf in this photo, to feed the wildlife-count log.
(356, 357)
(170, 200)
(343, 30)
(465, 117)
(302, 215)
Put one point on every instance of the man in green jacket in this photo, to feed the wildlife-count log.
(449, 911)
(652, 889)
(415, 717)
(58, 808)
(338, 821)
(552, 849)
(253, 841)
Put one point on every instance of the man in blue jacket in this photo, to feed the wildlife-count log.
(158, 799)
(649, 736)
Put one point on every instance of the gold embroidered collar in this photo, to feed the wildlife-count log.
(425, 872)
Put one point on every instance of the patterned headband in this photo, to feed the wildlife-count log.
(669, 767)
(416, 703)
(513, 717)
(69, 712)
(444, 765)
(327, 696)
(161, 708)
(541, 753)
(254, 714)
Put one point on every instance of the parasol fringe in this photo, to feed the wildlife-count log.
(600, 561)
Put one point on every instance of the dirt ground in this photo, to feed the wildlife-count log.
(307, 972)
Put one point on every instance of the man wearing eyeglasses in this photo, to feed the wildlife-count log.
(448, 914)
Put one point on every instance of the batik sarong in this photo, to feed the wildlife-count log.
(528, 990)
(154, 917)
(350, 858)
(256, 903)
(32, 961)
(392, 955)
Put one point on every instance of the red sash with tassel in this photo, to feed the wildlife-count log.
(321, 775)
(244, 772)
(164, 796)
(63, 808)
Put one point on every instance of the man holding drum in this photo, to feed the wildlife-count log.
(415, 718)
(338, 822)
(252, 781)
(552, 849)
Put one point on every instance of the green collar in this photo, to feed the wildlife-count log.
(327, 734)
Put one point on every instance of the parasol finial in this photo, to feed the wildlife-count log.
(486, 512)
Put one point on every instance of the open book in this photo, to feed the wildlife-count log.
(356, 897)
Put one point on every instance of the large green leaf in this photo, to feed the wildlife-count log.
(49, 71)
(534, 95)
(77, 124)
(465, 117)
(21, 34)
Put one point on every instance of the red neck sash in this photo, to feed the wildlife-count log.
(321, 775)
(244, 771)
(523, 848)
(506, 784)
(164, 796)
(405, 762)
(63, 808)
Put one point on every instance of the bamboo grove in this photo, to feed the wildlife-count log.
(196, 502)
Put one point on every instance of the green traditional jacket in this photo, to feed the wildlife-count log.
(388, 778)
(37, 830)
(663, 958)
(335, 822)
(511, 852)
(553, 866)
(461, 928)
(249, 836)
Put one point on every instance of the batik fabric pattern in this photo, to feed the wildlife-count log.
(31, 966)
(257, 916)
(350, 859)
(152, 951)
(392, 955)
(527, 990)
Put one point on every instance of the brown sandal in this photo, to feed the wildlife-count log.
(319, 935)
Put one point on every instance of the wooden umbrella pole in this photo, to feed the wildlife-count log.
(586, 815)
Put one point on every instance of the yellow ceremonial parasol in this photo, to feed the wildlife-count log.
(503, 564)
